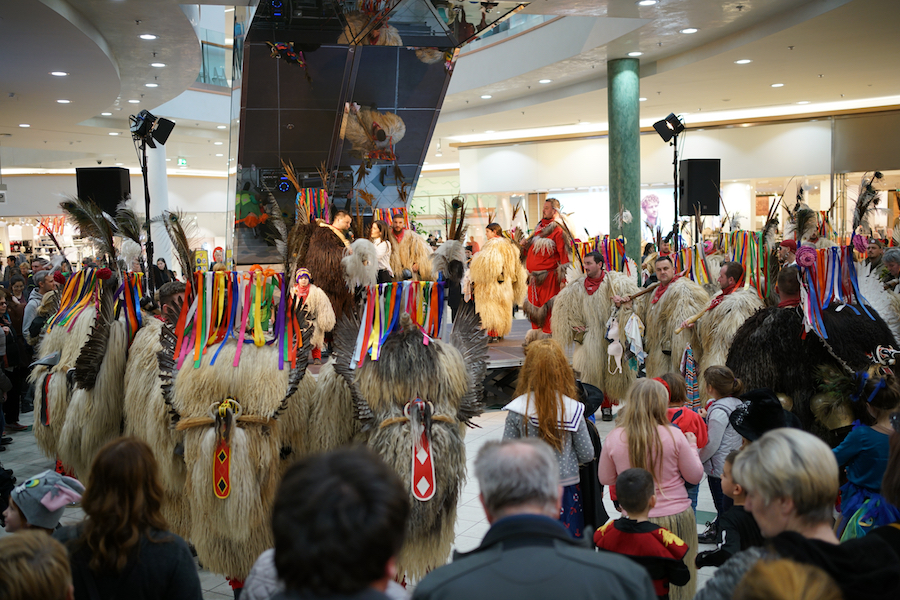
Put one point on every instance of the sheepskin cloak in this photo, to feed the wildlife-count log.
(573, 307)
(323, 259)
(500, 281)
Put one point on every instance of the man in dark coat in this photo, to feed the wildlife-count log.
(327, 244)
(527, 553)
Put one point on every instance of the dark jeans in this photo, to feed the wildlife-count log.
(14, 396)
(721, 501)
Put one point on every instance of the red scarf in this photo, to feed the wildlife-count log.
(718, 299)
(789, 303)
(661, 289)
(541, 224)
(592, 283)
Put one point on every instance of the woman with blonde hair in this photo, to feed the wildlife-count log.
(645, 438)
(545, 408)
(123, 546)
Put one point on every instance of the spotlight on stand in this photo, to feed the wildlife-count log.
(145, 128)
(667, 128)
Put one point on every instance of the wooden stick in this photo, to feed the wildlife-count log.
(644, 291)
(691, 321)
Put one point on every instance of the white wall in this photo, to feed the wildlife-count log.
(31, 195)
(782, 150)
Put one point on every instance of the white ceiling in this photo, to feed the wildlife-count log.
(852, 44)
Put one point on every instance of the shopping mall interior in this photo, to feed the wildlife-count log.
(795, 97)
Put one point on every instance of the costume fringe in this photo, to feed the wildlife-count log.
(361, 265)
(321, 314)
(500, 281)
(684, 525)
(718, 326)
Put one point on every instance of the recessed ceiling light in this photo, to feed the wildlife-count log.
(486, 97)
(489, 131)
(647, 2)
(803, 102)
(221, 126)
(425, 163)
(148, 36)
(545, 81)
(777, 85)
(220, 155)
(58, 73)
(113, 133)
(64, 101)
(168, 160)
(745, 124)
(26, 125)
(689, 30)
(151, 85)
(439, 154)
(635, 53)
(642, 99)
(158, 65)
(743, 61)
(218, 143)
(105, 114)
(119, 164)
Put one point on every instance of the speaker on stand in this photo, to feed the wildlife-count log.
(106, 187)
(699, 184)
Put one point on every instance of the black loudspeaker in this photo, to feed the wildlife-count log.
(698, 181)
(105, 186)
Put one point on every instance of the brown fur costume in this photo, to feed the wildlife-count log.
(357, 22)
(683, 299)
(500, 281)
(448, 377)
(575, 308)
(323, 259)
(412, 250)
(717, 327)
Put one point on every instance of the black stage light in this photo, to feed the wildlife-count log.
(669, 127)
(146, 126)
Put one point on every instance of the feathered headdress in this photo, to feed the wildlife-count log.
(803, 224)
(93, 223)
(866, 202)
(457, 228)
(182, 236)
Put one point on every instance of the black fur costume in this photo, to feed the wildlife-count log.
(323, 259)
(769, 350)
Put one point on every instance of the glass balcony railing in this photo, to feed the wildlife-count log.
(514, 25)
(216, 55)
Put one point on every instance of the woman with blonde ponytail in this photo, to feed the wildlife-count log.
(645, 438)
(723, 389)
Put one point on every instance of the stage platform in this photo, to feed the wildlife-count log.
(504, 360)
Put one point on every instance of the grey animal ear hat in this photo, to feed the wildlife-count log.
(43, 498)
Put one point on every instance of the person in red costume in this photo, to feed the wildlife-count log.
(546, 259)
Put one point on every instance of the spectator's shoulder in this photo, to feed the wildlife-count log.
(462, 567)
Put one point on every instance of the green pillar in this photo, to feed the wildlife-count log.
(625, 151)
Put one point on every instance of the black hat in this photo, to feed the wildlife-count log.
(760, 412)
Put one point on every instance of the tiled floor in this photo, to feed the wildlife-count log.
(25, 459)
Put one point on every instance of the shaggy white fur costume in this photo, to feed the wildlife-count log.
(500, 281)
(718, 326)
(573, 307)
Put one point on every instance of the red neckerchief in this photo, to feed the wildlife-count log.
(789, 303)
(661, 289)
(400, 235)
(718, 299)
(302, 292)
(592, 283)
(541, 224)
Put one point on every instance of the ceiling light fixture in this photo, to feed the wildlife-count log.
(25, 125)
(106, 114)
(803, 102)
(119, 164)
(635, 54)
(647, 2)
(489, 131)
(221, 126)
(158, 65)
(134, 102)
(151, 85)
(777, 85)
(113, 133)
(486, 97)
(642, 99)
(148, 36)
(743, 61)
(64, 101)
(690, 30)
(545, 81)
(220, 155)
(58, 73)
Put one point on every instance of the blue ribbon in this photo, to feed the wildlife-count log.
(235, 290)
